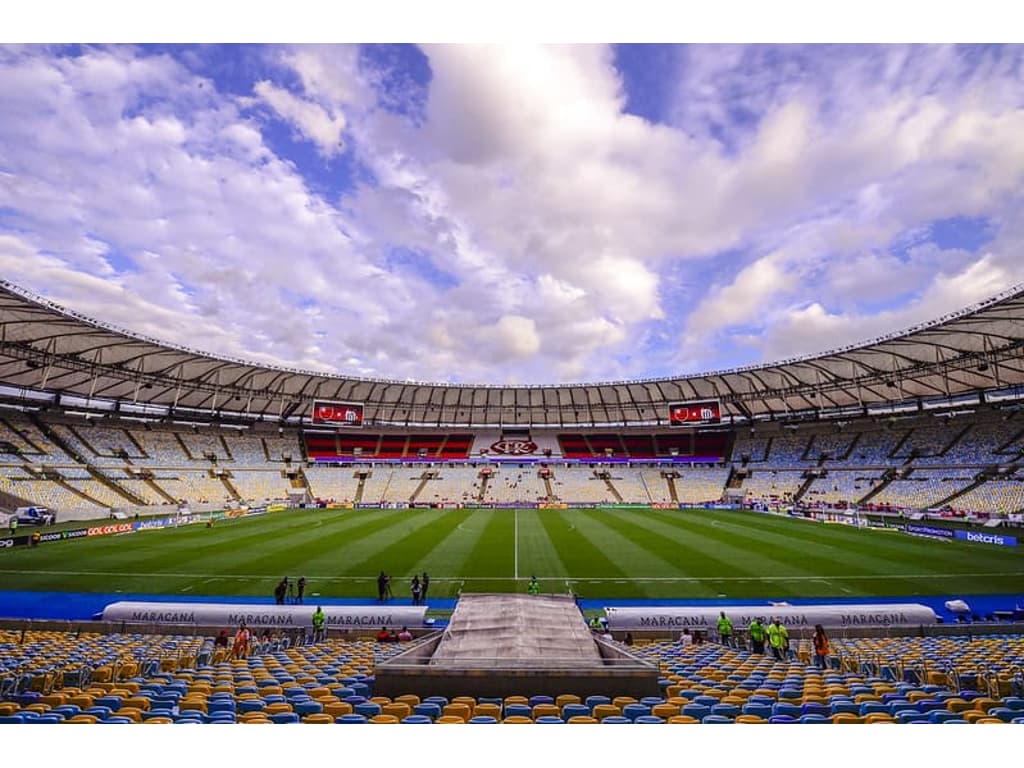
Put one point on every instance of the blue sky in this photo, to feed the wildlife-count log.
(513, 213)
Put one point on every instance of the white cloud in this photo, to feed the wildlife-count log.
(314, 122)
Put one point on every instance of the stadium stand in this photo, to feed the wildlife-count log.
(54, 677)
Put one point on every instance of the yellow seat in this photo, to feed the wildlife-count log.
(546, 710)
(135, 715)
(846, 718)
(878, 717)
(82, 719)
(458, 710)
(487, 710)
(516, 700)
(136, 702)
(337, 709)
(277, 708)
(381, 700)
(665, 711)
(988, 721)
(973, 715)
(683, 720)
(384, 720)
(455, 720)
(601, 711)
(408, 698)
(84, 701)
(264, 720)
(53, 700)
(318, 718)
(575, 720)
(750, 719)
(567, 698)
(399, 710)
(622, 701)
(984, 705)
(161, 720)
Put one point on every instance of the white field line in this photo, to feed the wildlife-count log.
(244, 576)
(515, 549)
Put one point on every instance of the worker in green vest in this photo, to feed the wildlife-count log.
(595, 623)
(318, 624)
(778, 639)
(13, 522)
(725, 629)
(757, 634)
(534, 587)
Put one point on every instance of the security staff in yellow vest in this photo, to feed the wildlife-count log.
(757, 633)
(318, 624)
(778, 639)
(725, 629)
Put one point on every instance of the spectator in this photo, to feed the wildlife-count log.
(821, 649)
(222, 639)
(383, 636)
(240, 650)
(686, 638)
(725, 630)
(405, 635)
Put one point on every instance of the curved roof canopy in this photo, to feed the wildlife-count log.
(45, 347)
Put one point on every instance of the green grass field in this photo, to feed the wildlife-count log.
(598, 553)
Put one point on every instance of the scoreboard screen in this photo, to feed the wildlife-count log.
(329, 413)
(694, 413)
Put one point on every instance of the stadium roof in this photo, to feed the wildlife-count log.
(47, 348)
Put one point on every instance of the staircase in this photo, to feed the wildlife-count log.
(54, 477)
(359, 489)
(424, 479)
(611, 489)
(672, 488)
(230, 486)
(116, 487)
(151, 482)
(184, 447)
(886, 478)
(484, 480)
(227, 450)
(978, 480)
(548, 490)
(803, 488)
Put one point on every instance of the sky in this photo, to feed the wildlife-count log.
(512, 213)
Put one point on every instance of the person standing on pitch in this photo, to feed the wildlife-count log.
(425, 585)
(318, 624)
(382, 587)
(302, 589)
(416, 589)
(778, 639)
(725, 630)
(533, 588)
(757, 633)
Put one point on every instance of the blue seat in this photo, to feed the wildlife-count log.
(633, 711)
(416, 720)
(1005, 714)
(157, 713)
(649, 720)
(716, 720)
(284, 717)
(67, 710)
(535, 700)
(958, 721)
(543, 720)
(222, 705)
(652, 701)
(707, 701)
(518, 710)
(428, 709)
(941, 716)
(116, 720)
(250, 705)
(844, 707)
(350, 719)
(1014, 702)
(367, 709)
(113, 702)
(223, 717)
(308, 707)
(927, 705)
(616, 720)
(757, 709)
(698, 711)
(813, 708)
(911, 716)
(688, 693)
(726, 710)
(575, 710)
(814, 719)
(48, 719)
(786, 708)
(195, 714)
(101, 713)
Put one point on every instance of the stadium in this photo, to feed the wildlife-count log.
(191, 536)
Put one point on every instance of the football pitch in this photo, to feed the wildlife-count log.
(597, 553)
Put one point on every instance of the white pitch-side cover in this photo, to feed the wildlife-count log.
(833, 616)
(231, 615)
